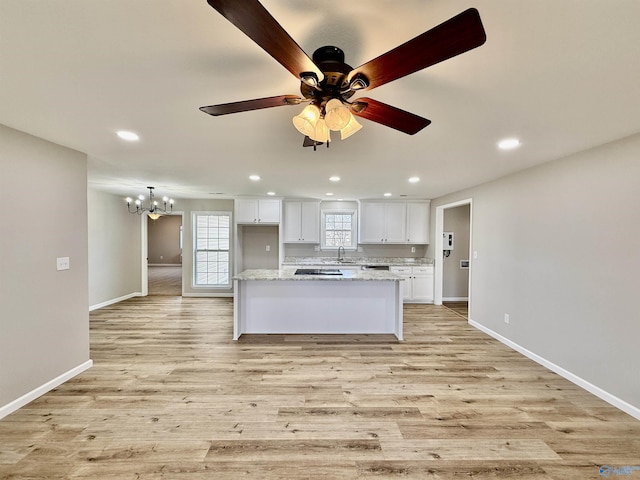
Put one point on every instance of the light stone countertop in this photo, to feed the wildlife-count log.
(289, 274)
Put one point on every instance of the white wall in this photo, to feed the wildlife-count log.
(558, 250)
(115, 268)
(255, 239)
(44, 323)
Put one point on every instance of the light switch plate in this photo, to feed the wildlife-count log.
(62, 263)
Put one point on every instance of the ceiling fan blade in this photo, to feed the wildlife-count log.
(247, 105)
(457, 35)
(258, 24)
(387, 115)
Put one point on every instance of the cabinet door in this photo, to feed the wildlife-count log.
(372, 220)
(246, 210)
(417, 223)
(405, 273)
(423, 288)
(269, 211)
(395, 222)
(292, 220)
(310, 222)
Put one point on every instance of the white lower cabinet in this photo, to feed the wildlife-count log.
(417, 286)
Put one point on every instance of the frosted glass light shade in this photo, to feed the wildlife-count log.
(321, 132)
(337, 116)
(306, 121)
(153, 216)
(352, 127)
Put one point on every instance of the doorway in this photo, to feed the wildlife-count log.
(453, 267)
(164, 255)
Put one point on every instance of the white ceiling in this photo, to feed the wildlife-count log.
(563, 76)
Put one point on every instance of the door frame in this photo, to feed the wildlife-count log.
(438, 260)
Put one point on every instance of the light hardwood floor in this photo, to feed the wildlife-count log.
(171, 396)
(164, 280)
(461, 308)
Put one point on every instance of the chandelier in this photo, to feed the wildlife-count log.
(153, 210)
(316, 121)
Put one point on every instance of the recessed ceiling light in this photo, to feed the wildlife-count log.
(271, 193)
(255, 178)
(335, 178)
(329, 194)
(127, 135)
(387, 194)
(414, 179)
(508, 144)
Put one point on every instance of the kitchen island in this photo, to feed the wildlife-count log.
(348, 302)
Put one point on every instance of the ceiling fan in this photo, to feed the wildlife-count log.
(327, 83)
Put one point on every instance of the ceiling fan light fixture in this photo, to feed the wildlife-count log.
(337, 116)
(350, 128)
(305, 121)
(321, 132)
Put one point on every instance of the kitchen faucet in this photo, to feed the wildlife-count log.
(340, 258)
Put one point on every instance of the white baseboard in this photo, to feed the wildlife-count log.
(42, 389)
(114, 300)
(164, 265)
(209, 295)
(455, 299)
(581, 382)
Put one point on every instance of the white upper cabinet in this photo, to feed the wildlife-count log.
(417, 223)
(372, 229)
(383, 223)
(257, 210)
(302, 222)
(394, 222)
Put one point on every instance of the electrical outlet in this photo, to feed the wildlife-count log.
(316, 248)
(475, 254)
(359, 249)
(413, 249)
(506, 318)
(268, 248)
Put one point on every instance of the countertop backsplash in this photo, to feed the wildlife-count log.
(367, 252)
(357, 261)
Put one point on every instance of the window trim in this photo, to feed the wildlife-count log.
(354, 227)
(194, 233)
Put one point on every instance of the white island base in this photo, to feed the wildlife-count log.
(317, 306)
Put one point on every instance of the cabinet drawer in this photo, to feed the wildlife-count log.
(400, 270)
(423, 270)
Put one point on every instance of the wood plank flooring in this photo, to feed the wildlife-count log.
(164, 280)
(461, 308)
(171, 396)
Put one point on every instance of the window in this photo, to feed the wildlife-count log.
(339, 229)
(211, 234)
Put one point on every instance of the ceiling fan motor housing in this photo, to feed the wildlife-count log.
(330, 60)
